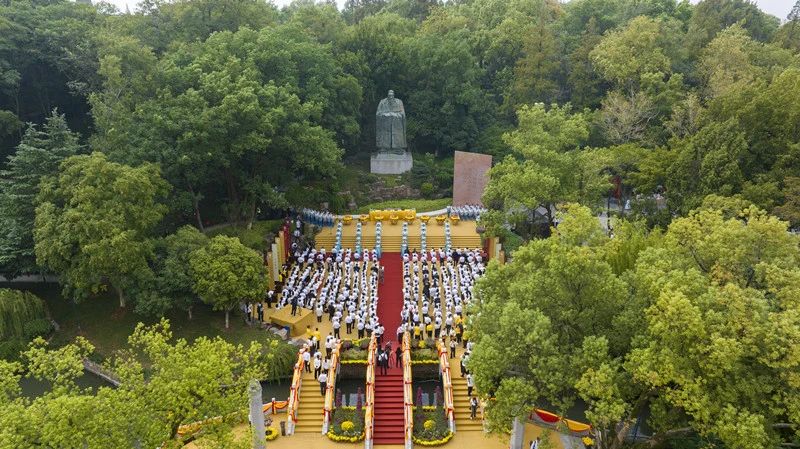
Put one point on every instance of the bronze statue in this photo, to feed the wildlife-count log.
(390, 126)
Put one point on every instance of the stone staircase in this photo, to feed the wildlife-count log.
(309, 411)
(461, 407)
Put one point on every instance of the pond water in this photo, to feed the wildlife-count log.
(33, 388)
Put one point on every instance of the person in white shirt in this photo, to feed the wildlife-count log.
(323, 382)
(317, 366)
(307, 360)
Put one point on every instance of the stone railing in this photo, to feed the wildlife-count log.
(369, 406)
(330, 390)
(447, 383)
(294, 391)
(408, 398)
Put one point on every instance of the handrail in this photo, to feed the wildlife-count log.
(369, 405)
(294, 391)
(408, 398)
(447, 382)
(330, 390)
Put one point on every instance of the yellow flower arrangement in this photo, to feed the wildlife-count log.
(343, 439)
(425, 362)
(271, 433)
(348, 426)
(429, 424)
(353, 362)
(421, 344)
(432, 442)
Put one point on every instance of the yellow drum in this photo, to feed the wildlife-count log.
(347, 219)
(441, 218)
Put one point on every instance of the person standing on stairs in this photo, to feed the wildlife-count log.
(323, 382)
(453, 346)
(473, 407)
(317, 366)
(398, 360)
(470, 384)
(382, 361)
(307, 360)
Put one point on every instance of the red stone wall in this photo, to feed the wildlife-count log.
(470, 177)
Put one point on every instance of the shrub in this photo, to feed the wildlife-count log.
(10, 349)
(434, 430)
(18, 308)
(36, 328)
(348, 425)
(426, 189)
(353, 354)
(425, 354)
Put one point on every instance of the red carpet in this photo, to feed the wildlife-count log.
(389, 420)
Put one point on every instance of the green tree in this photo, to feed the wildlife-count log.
(446, 112)
(706, 163)
(712, 16)
(624, 55)
(723, 305)
(94, 224)
(172, 287)
(226, 273)
(547, 166)
(38, 156)
(553, 324)
(253, 111)
(164, 383)
(535, 72)
(790, 209)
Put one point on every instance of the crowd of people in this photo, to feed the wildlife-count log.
(318, 218)
(467, 211)
(342, 285)
(437, 287)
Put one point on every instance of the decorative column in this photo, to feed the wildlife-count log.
(517, 434)
(256, 415)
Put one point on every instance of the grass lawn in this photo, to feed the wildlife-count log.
(102, 322)
(417, 204)
(255, 238)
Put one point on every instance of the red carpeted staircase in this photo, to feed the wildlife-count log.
(389, 420)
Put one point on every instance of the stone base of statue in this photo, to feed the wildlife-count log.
(383, 163)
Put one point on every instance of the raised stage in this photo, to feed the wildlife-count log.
(462, 235)
(297, 324)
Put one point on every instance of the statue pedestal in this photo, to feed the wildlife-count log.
(390, 163)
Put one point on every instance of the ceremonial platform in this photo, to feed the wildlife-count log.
(463, 234)
(296, 324)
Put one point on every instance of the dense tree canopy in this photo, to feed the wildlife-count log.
(718, 293)
(38, 157)
(94, 224)
(164, 383)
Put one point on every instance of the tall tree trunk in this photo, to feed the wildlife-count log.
(234, 211)
(252, 214)
(196, 205)
(121, 296)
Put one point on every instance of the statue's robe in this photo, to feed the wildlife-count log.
(390, 126)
